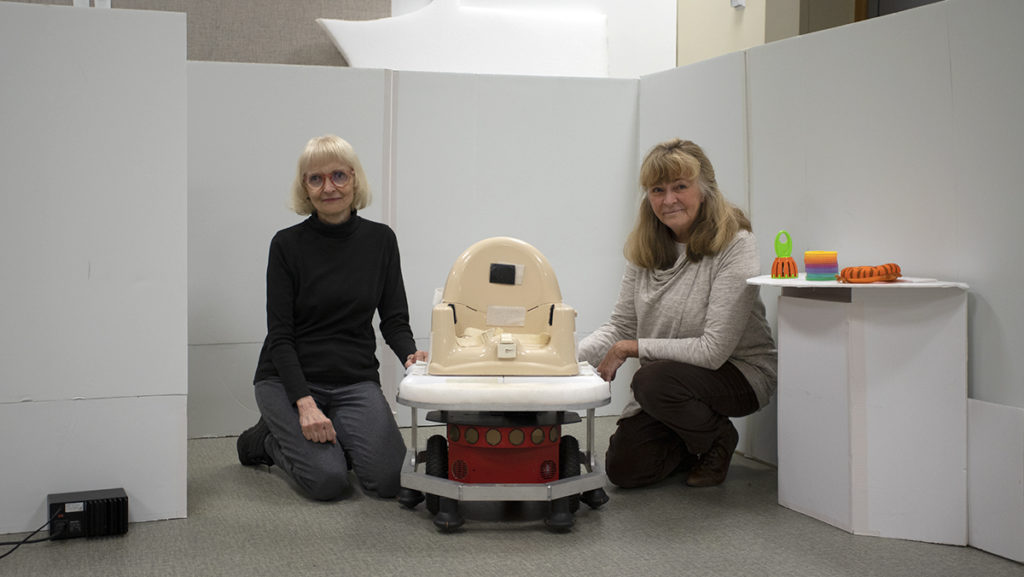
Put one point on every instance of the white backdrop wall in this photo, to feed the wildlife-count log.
(93, 227)
(988, 145)
(988, 126)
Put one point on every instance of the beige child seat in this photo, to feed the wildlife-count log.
(501, 313)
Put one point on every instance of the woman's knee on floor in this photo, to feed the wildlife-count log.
(642, 451)
(620, 474)
(629, 465)
(383, 474)
(385, 487)
(326, 485)
(627, 472)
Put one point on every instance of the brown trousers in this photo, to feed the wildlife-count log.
(685, 408)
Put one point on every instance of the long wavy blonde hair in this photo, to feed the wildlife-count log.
(651, 244)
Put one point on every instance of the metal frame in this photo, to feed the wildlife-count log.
(412, 479)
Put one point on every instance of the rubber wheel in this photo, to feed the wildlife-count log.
(436, 466)
(569, 465)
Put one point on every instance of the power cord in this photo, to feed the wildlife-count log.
(28, 539)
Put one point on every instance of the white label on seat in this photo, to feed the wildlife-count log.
(503, 316)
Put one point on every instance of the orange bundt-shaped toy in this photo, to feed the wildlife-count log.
(784, 266)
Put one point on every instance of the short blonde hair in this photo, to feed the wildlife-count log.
(651, 244)
(323, 150)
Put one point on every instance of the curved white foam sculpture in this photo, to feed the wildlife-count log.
(447, 37)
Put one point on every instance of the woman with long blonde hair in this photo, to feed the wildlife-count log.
(698, 329)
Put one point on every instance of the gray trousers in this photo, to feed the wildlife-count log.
(368, 440)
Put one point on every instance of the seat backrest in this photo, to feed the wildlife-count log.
(502, 272)
(501, 313)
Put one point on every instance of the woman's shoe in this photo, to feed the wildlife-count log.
(714, 464)
(251, 448)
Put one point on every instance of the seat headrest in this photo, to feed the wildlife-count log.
(502, 270)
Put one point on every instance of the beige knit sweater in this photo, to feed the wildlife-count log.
(701, 313)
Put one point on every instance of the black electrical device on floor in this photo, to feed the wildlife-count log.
(88, 513)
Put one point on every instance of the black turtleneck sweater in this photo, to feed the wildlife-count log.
(324, 283)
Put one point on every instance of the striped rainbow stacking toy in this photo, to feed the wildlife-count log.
(821, 264)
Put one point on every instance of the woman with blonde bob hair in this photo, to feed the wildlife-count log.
(686, 312)
(323, 149)
(317, 383)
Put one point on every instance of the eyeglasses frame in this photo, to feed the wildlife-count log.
(309, 188)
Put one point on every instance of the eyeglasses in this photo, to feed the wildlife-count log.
(317, 180)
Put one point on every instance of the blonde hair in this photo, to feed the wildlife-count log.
(324, 150)
(651, 244)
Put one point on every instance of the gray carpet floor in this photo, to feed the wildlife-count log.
(248, 521)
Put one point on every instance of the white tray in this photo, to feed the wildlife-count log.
(503, 393)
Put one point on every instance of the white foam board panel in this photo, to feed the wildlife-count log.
(849, 127)
(995, 473)
(94, 218)
(248, 124)
(987, 78)
(706, 103)
(138, 443)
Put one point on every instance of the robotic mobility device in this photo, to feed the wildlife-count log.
(504, 378)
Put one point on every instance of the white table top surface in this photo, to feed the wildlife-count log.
(902, 282)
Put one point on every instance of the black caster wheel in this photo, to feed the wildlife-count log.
(594, 498)
(561, 518)
(448, 518)
(409, 498)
